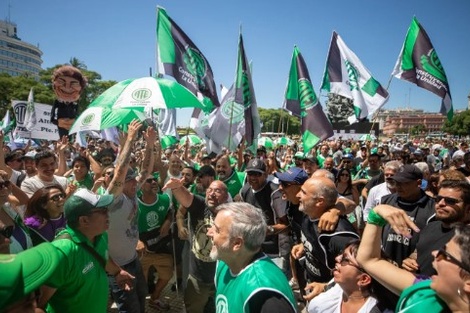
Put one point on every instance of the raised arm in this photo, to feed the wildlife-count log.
(116, 185)
(369, 253)
(147, 163)
(62, 144)
(3, 165)
(182, 195)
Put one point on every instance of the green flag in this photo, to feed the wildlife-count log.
(245, 95)
(180, 58)
(302, 102)
(419, 64)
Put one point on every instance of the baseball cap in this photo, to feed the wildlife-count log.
(206, 170)
(31, 154)
(130, 174)
(256, 165)
(292, 175)
(205, 156)
(348, 156)
(82, 202)
(261, 148)
(311, 158)
(299, 155)
(407, 173)
(25, 272)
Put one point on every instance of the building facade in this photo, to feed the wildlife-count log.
(16, 56)
(403, 120)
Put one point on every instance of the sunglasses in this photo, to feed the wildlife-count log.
(255, 174)
(442, 254)
(7, 231)
(344, 260)
(57, 197)
(151, 180)
(5, 184)
(344, 175)
(447, 200)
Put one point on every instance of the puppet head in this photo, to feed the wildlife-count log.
(68, 83)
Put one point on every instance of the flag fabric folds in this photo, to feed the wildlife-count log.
(419, 64)
(7, 123)
(302, 102)
(226, 124)
(30, 120)
(347, 76)
(180, 58)
(245, 95)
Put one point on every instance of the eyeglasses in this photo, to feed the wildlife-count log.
(442, 254)
(344, 260)
(57, 197)
(4, 184)
(151, 180)
(448, 200)
(7, 231)
(256, 174)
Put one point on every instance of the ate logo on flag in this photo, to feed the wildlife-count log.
(433, 66)
(307, 96)
(88, 119)
(196, 66)
(353, 75)
(232, 110)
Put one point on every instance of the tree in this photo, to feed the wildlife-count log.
(271, 119)
(418, 129)
(460, 124)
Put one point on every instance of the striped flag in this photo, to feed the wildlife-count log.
(347, 76)
(245, 95)
(302, 102)
(419, 64)
(30, 120)
(180, 58)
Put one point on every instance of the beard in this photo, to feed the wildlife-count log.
(216, 251)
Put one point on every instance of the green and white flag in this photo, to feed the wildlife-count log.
(419, 64)
(347, 76)
(180, 58)
(245, 95)
(30, 120)
(7, 123)
(301, 101)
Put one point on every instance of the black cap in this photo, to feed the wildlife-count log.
(256, 165)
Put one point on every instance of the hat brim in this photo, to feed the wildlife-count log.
(35, 264)
(255, 170)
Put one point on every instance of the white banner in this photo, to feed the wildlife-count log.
(44, 129)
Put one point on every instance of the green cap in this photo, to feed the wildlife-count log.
(82, 202)
(25, 272)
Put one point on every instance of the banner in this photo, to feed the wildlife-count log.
(43, 129)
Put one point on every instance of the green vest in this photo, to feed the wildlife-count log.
(152, 216)
(234, 292)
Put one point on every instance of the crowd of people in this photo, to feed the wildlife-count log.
(349, 226)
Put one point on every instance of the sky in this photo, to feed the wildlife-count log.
(117, 39)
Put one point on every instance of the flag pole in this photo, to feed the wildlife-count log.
(376, 114)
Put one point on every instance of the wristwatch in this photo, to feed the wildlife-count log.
(270, 230)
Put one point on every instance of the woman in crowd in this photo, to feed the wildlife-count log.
(353, 288)
(448, 291)
(345, 188)
(44, 213)
(102, 183)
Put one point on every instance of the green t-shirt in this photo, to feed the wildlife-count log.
(234, 183)
(152, 216)
(87, 182)
(80, 280)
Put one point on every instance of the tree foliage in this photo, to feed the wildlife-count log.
(17, 87)
(460, 124)
(278, 120)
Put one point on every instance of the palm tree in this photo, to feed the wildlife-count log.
(77, 63)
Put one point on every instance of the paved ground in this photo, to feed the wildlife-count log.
(174, 298)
